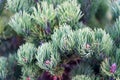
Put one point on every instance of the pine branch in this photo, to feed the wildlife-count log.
(26, 54)
(69, 12)
(21, 23)
(44, 14)
(18, 5)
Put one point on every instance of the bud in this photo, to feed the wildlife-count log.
(24, 59)
(113, 68)
(28, 78)
(87, 46)
(55, 78)
(47, 62)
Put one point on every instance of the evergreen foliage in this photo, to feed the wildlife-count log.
(115, 10)
(47, 57)
(114, 31)
(18, 5)
(3, 68)
(69, 12)
(43, 17)
(82, 77)
(55, 2)
(44, 14)
(56, 48)
(61, 40)
(30, 72)
(111, 67)
(2, 4)
(12, 63)
(23, 22)
(26, 53)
